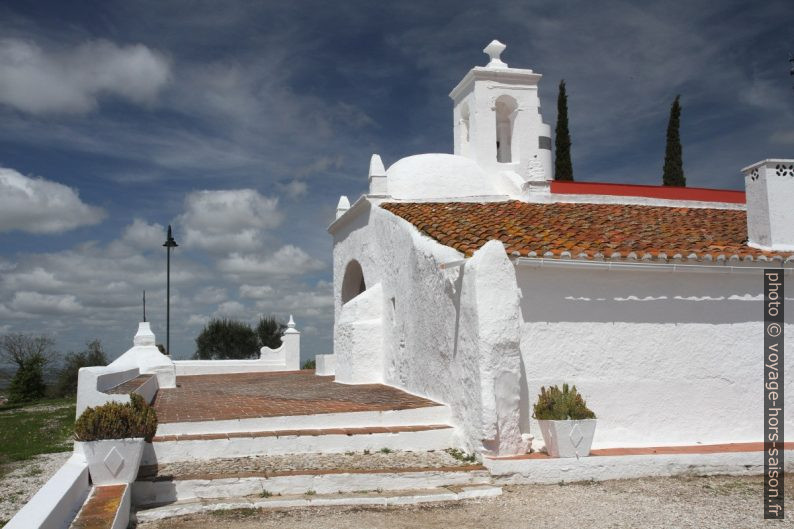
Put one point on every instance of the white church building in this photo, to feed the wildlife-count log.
(474, 278)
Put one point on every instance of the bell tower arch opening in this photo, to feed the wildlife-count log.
(505, 111)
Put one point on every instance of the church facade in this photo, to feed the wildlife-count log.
(474, 278)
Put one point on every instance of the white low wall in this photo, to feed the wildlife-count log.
(285, 358)
(661, 358)
(325, 365)
(219, 367)
(55, 505)
(602, 468)
(92, 382)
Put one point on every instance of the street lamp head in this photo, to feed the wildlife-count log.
(170, 242)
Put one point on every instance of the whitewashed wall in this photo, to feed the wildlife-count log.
(662, 358)
(422, 319)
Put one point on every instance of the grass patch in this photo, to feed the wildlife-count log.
(385, 450)
(460, 455)
(42, 427)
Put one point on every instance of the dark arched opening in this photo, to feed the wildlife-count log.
(353, 283)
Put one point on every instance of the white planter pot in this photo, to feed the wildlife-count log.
(568, 438)
(112, 461)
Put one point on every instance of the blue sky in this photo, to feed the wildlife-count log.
(241, 123)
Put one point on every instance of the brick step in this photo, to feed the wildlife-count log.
(154, 487)
(107, 507)
(188, 447)
(411, 416)
(125, 388)
(372, 498)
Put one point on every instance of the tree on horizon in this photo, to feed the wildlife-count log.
(563, 167)
(673, 173)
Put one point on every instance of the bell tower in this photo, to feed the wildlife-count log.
(497, 120)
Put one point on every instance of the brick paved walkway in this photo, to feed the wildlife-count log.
(251, 395)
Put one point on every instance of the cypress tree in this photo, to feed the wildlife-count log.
(673, 174)
(563, 168)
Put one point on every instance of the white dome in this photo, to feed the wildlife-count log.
(441, 176)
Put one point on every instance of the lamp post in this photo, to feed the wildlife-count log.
(169, 243)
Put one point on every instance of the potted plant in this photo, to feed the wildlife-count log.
(565, 421)
(112, 438)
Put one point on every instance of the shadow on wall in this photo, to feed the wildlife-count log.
(637, 297)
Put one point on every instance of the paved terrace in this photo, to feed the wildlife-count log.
(252, 395)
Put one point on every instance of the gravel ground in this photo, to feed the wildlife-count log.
(23, 480)
(687, 502)
(350, 460)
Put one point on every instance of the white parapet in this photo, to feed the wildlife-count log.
(284, 358)
(56, 503)
(325, 364)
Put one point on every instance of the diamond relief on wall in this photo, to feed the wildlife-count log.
(576, 435)
(114, 461)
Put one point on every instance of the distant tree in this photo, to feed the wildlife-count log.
(673, 174)
(93, 355)
(309, 364)
(226, 339)
(269, 331)
(563, 167)
(30, 354)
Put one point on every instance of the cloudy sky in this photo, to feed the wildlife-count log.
(241, 123)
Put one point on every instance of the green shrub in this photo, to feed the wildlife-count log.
(67, 377)
(115, 420)
(556, 405)
(226, 339)
(309, 364)
(269, 331)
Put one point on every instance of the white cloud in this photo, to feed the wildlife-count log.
(228, 220)
(256, 291)
(36, 303)
(197, 320)
(40, 81)
(295, 188)
(210, 295)
(36, 205)
(288, 260)
(231, 309)
(144, 236)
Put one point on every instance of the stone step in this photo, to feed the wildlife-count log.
(304, 473)
(371, 498)
(125, 388)
(187, 447)
(107, 507)
(414, 416)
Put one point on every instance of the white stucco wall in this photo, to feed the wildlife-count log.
(662, 358)
(358, 338)
(424, 349)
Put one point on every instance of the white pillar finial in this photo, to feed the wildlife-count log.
(342, 206)
(494, 51)
(291, 322)
(378, 184)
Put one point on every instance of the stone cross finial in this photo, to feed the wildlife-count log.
(494, 50)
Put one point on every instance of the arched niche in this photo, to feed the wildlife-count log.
(505, 110)
(353, 282)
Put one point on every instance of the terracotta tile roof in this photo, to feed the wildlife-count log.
(586, 230)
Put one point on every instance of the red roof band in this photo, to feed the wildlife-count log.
(662, 192)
